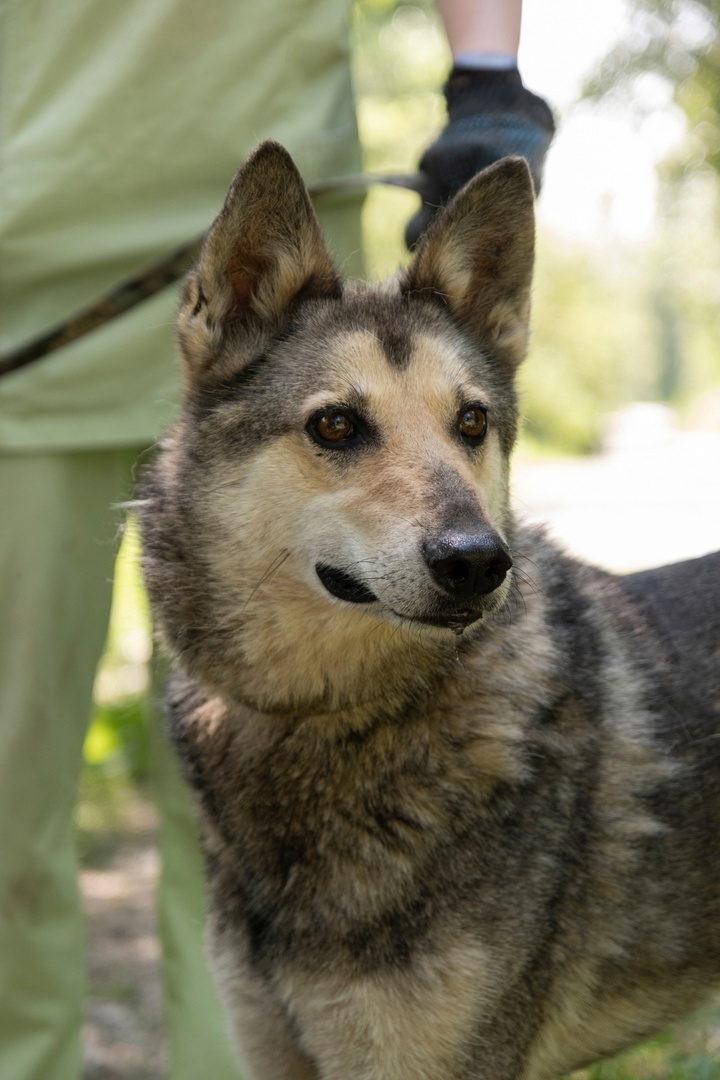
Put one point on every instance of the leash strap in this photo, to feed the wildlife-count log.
(158, 276)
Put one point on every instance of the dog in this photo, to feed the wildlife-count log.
(459, 792)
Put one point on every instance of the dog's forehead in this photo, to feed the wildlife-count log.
(430, 366)
(382, 350)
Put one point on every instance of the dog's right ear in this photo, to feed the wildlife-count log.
(477, 259)
(263, 253)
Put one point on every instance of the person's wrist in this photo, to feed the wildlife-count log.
(485, 61)
(471, 90)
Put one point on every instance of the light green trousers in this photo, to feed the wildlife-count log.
(58, 540)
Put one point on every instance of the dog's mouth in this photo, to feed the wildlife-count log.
(343, 585)
(457, 621)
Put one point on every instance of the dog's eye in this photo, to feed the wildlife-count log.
(472, 422)
(335, 428)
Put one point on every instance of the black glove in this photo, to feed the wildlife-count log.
(490, 115)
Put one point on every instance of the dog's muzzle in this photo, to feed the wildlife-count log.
(464, 566)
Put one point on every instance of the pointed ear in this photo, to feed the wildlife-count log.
(263, 253)
(478, 256)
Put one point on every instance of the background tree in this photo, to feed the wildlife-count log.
(679, 41)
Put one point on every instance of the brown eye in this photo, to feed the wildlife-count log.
(335, 428)
(473, 422)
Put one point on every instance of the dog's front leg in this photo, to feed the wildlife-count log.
(427, 1020)
(266, 1045)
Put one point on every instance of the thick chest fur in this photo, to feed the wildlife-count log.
(363, 845)
(391, 865)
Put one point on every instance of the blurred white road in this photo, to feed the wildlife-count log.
(653, 496)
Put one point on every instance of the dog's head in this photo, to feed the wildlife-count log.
(335, 494)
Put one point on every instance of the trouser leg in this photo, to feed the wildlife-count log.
(197, 1032)
(58, 537)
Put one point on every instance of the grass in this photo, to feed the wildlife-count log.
(690, 1050)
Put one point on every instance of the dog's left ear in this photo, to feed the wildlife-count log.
(264, 252)
(478, 257)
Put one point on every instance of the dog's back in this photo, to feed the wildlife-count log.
(681, 603)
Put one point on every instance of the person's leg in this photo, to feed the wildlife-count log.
(199, 1045)
(57, 546)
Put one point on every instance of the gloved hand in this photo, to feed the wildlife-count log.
(490, 115)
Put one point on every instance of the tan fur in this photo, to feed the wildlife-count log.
(461, 817)
(486, 283)
(378, 1016)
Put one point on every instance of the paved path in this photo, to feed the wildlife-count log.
(652, 497)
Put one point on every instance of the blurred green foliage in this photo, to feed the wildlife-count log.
(400, 60)
(688, 1051)
(591, 347)
(675, 44)
(118, 741)
(678, 41)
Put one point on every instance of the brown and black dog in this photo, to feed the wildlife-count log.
(460, 794)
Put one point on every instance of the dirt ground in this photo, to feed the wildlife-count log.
(123, 1034)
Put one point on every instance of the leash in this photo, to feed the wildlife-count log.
(162, 273)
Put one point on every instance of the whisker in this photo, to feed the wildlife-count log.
(272, 569)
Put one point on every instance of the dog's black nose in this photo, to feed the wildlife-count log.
(467, 565)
